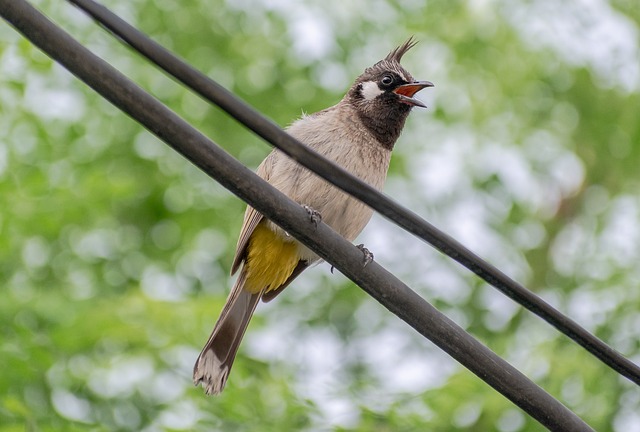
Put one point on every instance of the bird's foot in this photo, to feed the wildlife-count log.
(368, 256)
(314, 215)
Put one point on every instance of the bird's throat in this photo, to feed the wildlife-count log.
(386, 127)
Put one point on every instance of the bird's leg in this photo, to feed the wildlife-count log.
(368, 256)
(314, 215)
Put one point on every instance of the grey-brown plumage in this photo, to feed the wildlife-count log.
(358, 134)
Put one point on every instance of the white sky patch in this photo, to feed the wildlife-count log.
(50, 100)
(122, 377)
(162, 285)
(584, 33)
(370, 90)
(312, 37)
(71, 406)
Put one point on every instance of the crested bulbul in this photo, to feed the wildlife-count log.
(358, 134)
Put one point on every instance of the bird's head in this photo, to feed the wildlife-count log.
(384, 94)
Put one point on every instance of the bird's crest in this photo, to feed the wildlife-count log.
(392, 61)
(396, 54)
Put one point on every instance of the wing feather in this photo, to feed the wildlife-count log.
(251, 216)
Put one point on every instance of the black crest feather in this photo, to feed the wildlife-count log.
(397, 53)
(391, 62)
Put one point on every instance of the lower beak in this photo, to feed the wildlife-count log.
(406, 92)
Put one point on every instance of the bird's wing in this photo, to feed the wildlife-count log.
(251, 216)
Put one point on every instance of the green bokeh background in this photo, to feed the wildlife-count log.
(115, 251)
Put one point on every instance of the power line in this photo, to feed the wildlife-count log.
(375, 280)
(252, 119)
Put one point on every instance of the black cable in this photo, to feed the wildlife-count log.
(252, 119)
(332, 247)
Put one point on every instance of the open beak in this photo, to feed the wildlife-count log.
(406, 92)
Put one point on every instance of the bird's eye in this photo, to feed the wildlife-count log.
(387, 80)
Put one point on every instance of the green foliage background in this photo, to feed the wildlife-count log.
(114, 251)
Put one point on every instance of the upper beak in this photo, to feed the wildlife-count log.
(406, 92)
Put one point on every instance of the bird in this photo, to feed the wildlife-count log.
(358, 134)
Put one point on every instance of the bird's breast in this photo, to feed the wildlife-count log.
(343, 213)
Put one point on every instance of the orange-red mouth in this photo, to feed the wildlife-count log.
(406, 92)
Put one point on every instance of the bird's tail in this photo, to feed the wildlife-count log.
(215, 361)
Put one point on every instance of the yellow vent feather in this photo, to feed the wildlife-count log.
(270, 259)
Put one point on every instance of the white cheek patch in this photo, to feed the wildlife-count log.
(370, 90)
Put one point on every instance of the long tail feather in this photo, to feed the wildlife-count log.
(214, 362)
